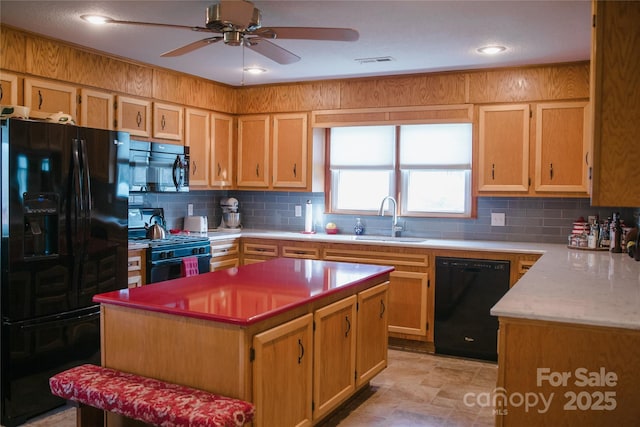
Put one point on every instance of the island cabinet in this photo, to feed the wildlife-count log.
(195, 331)
(615, 83)
(133, 116)
(273, 151)
(534, 149)
(409, 306)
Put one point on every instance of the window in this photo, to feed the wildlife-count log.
(428, 165)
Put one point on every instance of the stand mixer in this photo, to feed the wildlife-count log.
(230, 214)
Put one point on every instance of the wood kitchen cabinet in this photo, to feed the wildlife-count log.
(280, 137)
(562, 147)
(168, 121)
(198, 139)
(258, 250)
(503, 157)
(615, 83)
(373, 315)
(283, 374)
(46, 98)
(137, 268)
(225, 254)
(134, 116)
(221, 163)
(96, 109)
(335, 333)
(8, 88)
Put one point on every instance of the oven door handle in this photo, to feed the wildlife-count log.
(171, 261)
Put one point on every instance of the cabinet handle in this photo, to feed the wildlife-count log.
(257, 169)
(346, 334)
(550, 170)
(40, 99)
(294, 170)
(195, 167)
(586, 159)
(493, 171)
(163, 122)
(138, 119)
(382, 308)
(301, 353)
(219, 169)
(1, 92)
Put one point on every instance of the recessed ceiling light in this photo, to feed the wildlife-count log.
(491, 50)
(255, 70)
(96, 19)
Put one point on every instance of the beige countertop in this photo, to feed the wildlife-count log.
(565, 285)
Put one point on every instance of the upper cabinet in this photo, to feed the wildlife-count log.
(8, 89)
(198, 139)
(551, 151)
(134, 116)
(503, 160)
(562, 134)
(615, 84)
(167, 121)
(46, 98)
(221, 169)
(96, 109)
(286, 136)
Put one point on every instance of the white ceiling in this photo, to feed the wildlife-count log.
(420, 35)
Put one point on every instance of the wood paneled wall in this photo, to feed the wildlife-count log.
(31, 54)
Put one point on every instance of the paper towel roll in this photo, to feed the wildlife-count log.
(308, 217)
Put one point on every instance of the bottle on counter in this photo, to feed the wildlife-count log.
(605, 239)
(616, 234)
(592, 238)
(358, 228)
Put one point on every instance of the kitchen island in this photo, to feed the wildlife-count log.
(295, 337)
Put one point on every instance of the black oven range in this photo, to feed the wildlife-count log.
(166, 256)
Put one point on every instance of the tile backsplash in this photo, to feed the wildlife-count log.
(546, 220)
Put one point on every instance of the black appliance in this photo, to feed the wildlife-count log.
(158, 167)
(165, 256)
(64, 199)
(466, 290)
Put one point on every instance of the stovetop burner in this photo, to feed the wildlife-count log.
(171, 239)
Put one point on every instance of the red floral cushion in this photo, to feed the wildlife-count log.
(149, 400)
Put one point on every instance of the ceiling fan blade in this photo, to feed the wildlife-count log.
(154, 24)
(191, 47)
(271, 51)
(309, 33)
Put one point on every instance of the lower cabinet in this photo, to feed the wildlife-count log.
(282, 374)
(136, 268)
(306, 368)
(224, 254)
(258, 250)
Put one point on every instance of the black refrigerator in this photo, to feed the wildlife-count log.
(64, 239)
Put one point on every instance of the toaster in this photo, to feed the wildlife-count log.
(197, 224)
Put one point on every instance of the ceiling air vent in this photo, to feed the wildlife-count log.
(372, 60)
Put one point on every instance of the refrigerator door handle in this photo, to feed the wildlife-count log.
(86, 192)
(78, 208)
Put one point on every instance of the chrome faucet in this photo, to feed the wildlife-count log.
(395, 228)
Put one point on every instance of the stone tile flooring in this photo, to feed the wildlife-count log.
(416, 389)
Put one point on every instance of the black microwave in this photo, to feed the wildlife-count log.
(158, 167)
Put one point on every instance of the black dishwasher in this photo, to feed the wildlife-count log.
(466, 289)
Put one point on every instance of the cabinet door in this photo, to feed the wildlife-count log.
(503, 158)
(334, 355)
(615, 84)
(373, 319)
(282, 374)
(96, 109)
(253, 151)
(562, 145)
(290, 150)
(167, 121)
(222, 150)
(198, 139)
(8, 88)
(408, 303)
(134, 116)
(46, 98)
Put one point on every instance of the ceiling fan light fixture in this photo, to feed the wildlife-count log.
(491, 50)
(255, 70)
(96, 19)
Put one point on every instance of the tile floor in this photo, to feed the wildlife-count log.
(416, 389)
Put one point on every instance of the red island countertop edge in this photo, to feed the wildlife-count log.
(249, 294)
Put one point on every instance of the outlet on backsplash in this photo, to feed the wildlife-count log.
(497, 219)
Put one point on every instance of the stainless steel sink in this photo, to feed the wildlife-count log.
(391, 239)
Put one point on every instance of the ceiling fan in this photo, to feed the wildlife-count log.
(239, 23)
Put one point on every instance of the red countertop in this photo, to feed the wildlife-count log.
(248, 294)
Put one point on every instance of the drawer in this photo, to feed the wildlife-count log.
(299, 252)
(262, 249)
(224, 248)
(215, 265)
(135, 263)
(377, 257)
